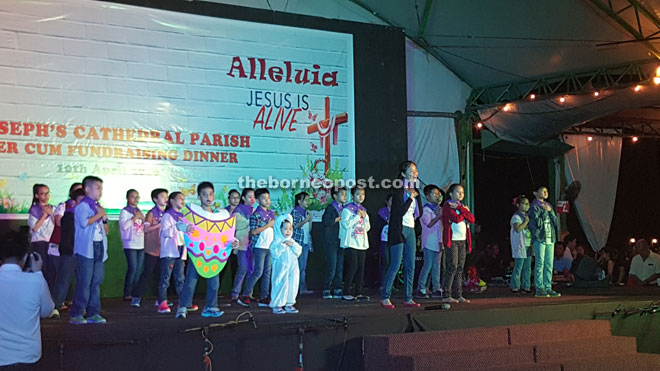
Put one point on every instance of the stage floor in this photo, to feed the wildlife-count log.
(141, 338)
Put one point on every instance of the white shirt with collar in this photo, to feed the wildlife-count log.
(24, 297)
(644, 269)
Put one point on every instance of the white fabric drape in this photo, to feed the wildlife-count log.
(432, 146)
(596, 165)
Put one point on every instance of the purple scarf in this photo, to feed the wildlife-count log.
(131, 209)
(266, 215)
(242, 209)
(177, 215)
(520, 214)
(69, 206)
(92, 205)
(540, 204)
(384, 213)
(36, 211)
(354, 207)
(157, 212)
(301, 210)
(339, 207)
(433, 207)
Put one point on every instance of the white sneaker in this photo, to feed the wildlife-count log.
(449, 300)
(54, 314)
(291, 309)
(462, 300)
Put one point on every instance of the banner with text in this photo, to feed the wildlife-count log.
(145, 98)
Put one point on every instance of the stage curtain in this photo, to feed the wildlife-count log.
(596, 165)
(432, 146)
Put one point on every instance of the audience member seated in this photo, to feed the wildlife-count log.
(24, 297)
(622, 264)
(491, 264)
(645, 266)
(570, 244)
(561, 265)
(606, 259)
(584, 269)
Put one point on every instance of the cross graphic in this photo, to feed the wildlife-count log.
(324, 127)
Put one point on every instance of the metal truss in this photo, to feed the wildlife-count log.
(567, 83)
(625, 129)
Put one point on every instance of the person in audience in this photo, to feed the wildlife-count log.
(584, 269)
(645, 266)
(606, 258)
(561, 265)
(622, 264)
(570, 243)
(24, 297)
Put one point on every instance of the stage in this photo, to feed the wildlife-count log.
(332, 330)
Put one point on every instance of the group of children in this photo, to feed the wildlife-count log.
(72, 239)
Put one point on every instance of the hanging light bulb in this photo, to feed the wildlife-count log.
(632, 241)
(596, 94)
(590, 138)
(656, 80)
(562, 99)
(635, 139)
(532, 96)
(638, 88)
(657, 71)
(479, 125)
(507, 107)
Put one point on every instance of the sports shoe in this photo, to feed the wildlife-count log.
(449, 299)
(337, 294)
(265, 302)
(527, 291)
(463, 300)
(362, 297)
(291, 309)
(78, 320)
(135, 303)
(192, 308)
(515, 291)
(96, 319)
(348, 297)
(54, 314)
(169, 303)
(411, 304)
(212, 312)
(541, 294)
(182, 312)
(553, 294)
(437, 294)
(421, 295)
(244, 301)
(278, 311)
(387, 304)
(327, 294)
(164, 308)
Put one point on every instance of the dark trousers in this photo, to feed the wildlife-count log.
(353, 270)
(150, 264)
(334, 266)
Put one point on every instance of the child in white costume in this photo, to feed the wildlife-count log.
(284, 252)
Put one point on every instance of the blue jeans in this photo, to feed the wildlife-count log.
(169, 266)
(262, 268)
(134, 259)
(65, 273)
(544, 254)
(241, 272)
(302, 265)
(403, 251)
(334, 267)
(89, 276)
(431, 266)
(522, 271)
(454, 274)
(212, 285)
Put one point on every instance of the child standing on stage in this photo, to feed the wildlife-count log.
(521, 247)
(354, 239)
(543, 226)
(90, 247)
(171, 250)
(206, 195)
(261, 236)
(151, 243)
(431, 242)
(131, 227)
(302, 234)
(284, 251)
(42, 224)
(53, 250)
(239, 207)
(67, 263)
(334, 254)
(457, 241)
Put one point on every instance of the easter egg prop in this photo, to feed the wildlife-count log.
(209, 245)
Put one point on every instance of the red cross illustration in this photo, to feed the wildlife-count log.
(324, 127)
